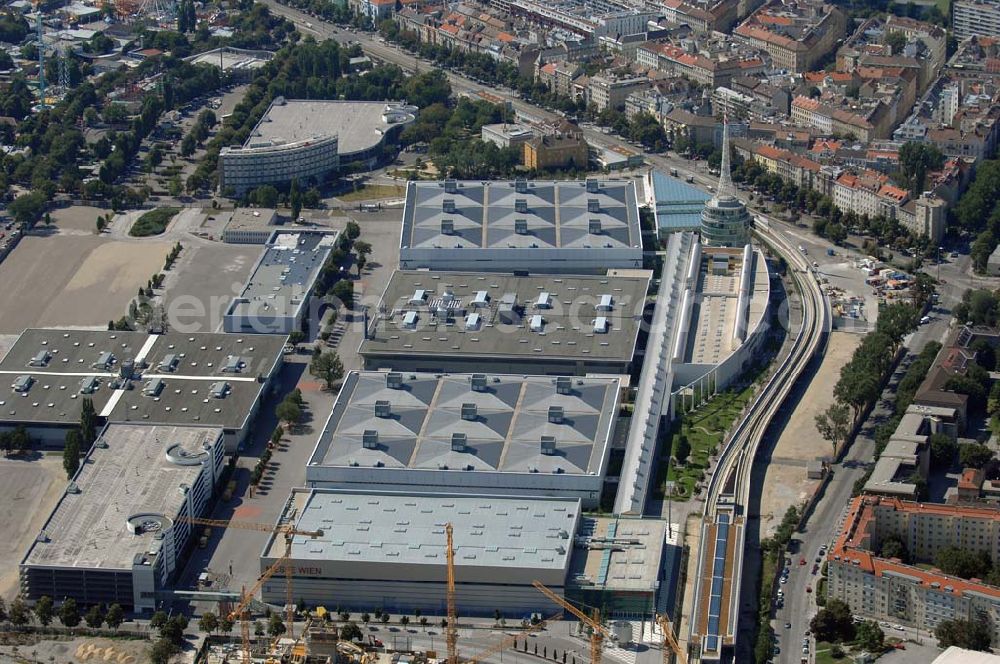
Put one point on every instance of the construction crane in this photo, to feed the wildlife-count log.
(451, 635)
(670, 643)
(510, 640)
(289, 531)
(243, 615)
(593, 621)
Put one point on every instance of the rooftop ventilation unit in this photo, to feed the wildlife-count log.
(448, 296)
(521, 226)
(410, 320)
(482, 299)
(419, 297)
(593, 205)
(556, 414)
(537, 323)
(169, 362)
(548, 447)
(104, 361)
(595, 226)
(507, 310)
(472, 322)
(233, 364)
(564, 385)
(544, 301)
(593, 186)
(88, 385)
(450, 186)
(394, 380)
(40, 359)
(447, 227)
(448, 206)
(383, 408)
(521, 205)
(478, 382)
(459, 442)
(369, 439)
(469, 412)
(601, 325)
(219, 390)
(606, 303)
(153, 387)
(22, 384)
(521, 186)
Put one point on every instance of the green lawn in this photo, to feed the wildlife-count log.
(374, 191)
(824, 654)
(704, 429)
(153, 222)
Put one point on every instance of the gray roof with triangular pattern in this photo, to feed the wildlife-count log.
(512, 415)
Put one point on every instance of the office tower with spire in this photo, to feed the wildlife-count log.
(725, 221)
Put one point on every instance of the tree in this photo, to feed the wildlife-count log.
(343, 290)
(3, 610)
(352, 230)
(208, 622)
(27, 208)
(968, 634)
(226, 625)
(404, 621)
(288, 411)
(683, 449)
(974, 455)
(366, 618)
(88, 423)
(71, 453)
(275, 625)
(896, 41)
(362, 249)
(296, 337)
(19, 614)
(833, 622)
(43, 610)
(69, 613)
(327, 367)
(915, 160)
(943, 449)
(870, 636)
(964, 563)
(158, 620)
(384, 618)
(894, 547)
(115, 616)
(834, 424)
(351, 632)
(161, 651)
(94, 618)
(295, 199)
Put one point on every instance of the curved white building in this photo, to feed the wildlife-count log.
(306, 140)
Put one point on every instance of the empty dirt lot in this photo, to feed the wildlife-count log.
(29, 489)
(786, 483)
(73, 280)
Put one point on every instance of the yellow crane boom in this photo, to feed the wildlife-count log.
(670, 643)
(597, 631)
(451, 636)
(288, 530)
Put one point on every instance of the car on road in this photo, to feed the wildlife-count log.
(802, 561)
(783, 580)
(815, 569)
(925, 320)
(788, 625)
(809, 589)
(898, 627)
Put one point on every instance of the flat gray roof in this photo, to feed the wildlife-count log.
(439, 324)
(285, 273)
(384, 527)
(252, 218)
(555, 214)
(503, 434)
(133, 476)
(185, 395)
(358, 125)
(618, 554)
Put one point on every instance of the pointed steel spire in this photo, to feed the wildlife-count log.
(726, 188)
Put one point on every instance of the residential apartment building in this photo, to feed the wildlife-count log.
(975, 17)
(560, 150)
(796, 33)
(888, 589)
(605, 91)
